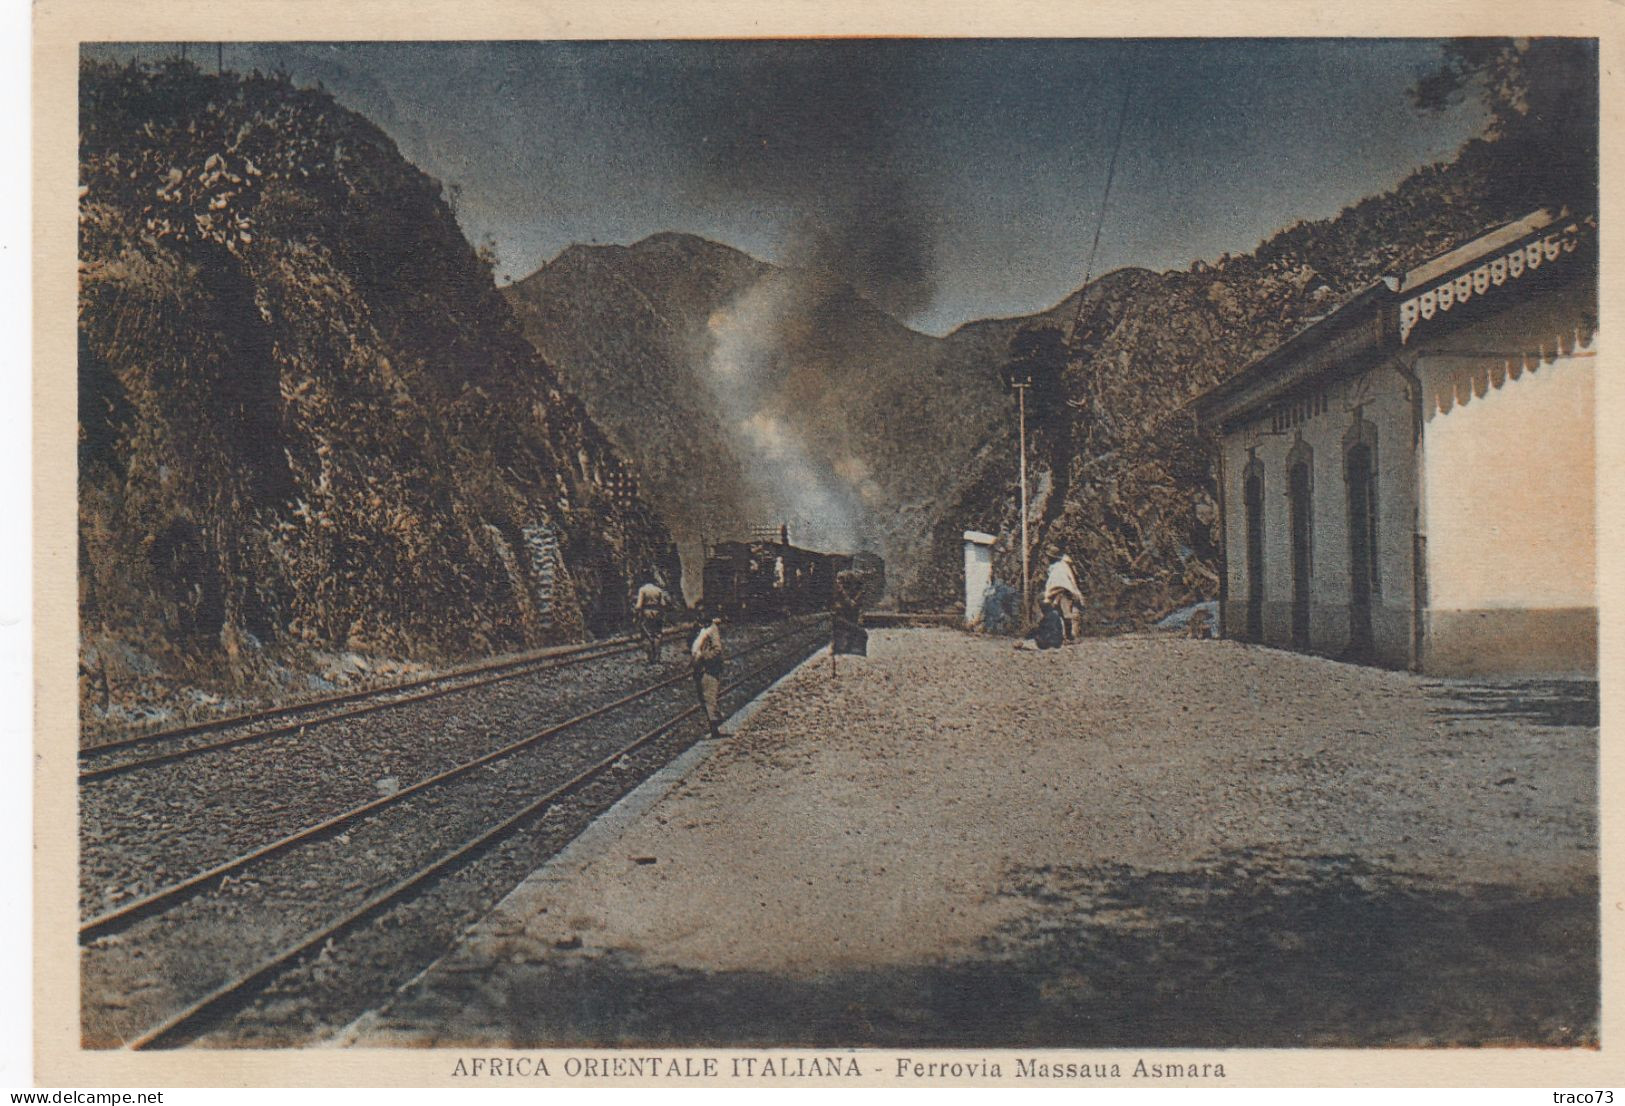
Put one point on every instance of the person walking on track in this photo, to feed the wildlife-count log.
(1061, 590)
(707, 654)
(649, 610)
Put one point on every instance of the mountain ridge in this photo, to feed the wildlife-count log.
(821, 379)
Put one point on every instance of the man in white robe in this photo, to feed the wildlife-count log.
(1061, 589)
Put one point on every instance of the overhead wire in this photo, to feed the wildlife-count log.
(1105, 199)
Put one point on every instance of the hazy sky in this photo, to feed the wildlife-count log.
(951, 180)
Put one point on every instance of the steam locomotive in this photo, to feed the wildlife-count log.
(759, 580)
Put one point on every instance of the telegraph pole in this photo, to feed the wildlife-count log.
(1021, 387)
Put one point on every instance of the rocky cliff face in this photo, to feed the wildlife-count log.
(307, 419)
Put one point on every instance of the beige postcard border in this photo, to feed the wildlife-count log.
(60, 25)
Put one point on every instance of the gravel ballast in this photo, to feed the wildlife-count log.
(166, 822)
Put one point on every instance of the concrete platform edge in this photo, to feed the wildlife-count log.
(593, 842)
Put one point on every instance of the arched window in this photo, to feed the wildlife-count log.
(1300, 471)
(1365, 579)
(1253, 497)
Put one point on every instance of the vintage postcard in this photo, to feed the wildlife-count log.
(842, 548)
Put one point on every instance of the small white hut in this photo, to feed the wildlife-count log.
(978, 573)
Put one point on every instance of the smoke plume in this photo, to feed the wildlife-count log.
(809, 129)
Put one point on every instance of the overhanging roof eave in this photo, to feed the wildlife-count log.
(1273, 373)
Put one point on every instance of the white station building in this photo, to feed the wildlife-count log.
(1411, 480)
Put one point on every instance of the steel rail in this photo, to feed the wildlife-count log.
(492, 674)
(156, 901)
(237, 990)
(567, 653)
(248, 717)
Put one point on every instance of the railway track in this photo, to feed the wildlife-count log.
(160, 970)
(143, 830)
(107, 759)
(112, 920)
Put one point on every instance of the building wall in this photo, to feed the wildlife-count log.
(1510, 491)
(978, 574)
(1325, 423)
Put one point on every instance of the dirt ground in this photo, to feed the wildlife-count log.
(1140, 840)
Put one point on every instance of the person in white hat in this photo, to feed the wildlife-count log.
(1062, 591)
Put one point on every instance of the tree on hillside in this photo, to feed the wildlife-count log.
(1541, 95)
(1038, 357)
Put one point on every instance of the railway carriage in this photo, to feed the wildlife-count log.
(872, 568)
(750, 581)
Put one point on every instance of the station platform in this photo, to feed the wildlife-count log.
(1142, 840)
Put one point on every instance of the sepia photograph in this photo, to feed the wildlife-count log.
(1056, 561)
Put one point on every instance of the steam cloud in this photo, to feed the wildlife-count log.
(810, 129)
(753, 376)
